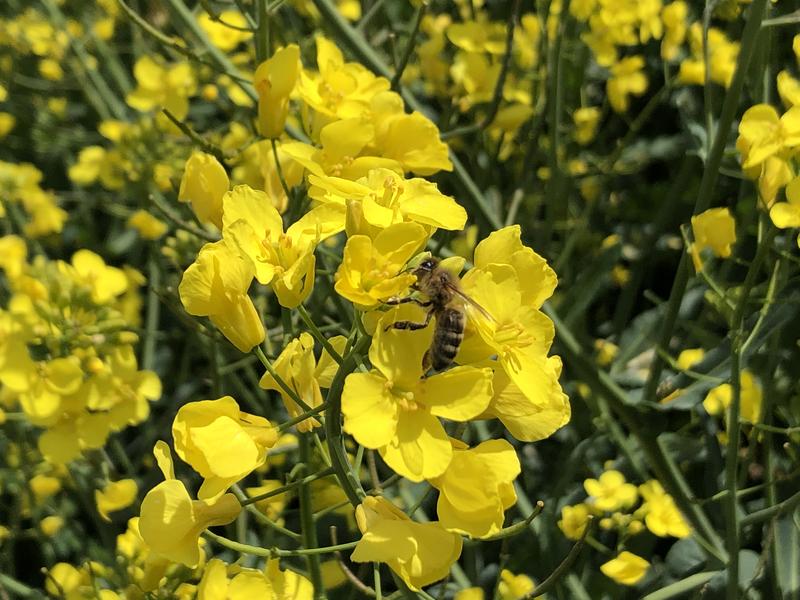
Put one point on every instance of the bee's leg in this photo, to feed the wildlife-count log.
(426, 361)
(412, 325)
(406, 299)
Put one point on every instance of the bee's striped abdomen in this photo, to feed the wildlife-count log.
(447, 337)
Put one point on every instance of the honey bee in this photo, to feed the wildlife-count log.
(447, 303)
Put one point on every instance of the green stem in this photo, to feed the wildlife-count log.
(259, 352)
(318, 335)
(734, 411)
(289, 486)
(309, 530)
(152, 312)
(772, 512)
(348, 479)
(262, 32)
(565, 565)
(423, 8)
(707, 184)
(275, 552)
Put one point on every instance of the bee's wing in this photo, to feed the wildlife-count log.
(470, 302)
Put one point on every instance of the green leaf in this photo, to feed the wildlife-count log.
(787, 555)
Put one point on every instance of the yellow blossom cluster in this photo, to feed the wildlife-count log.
(363, 166)
(20, 187)
(614, 500)
(67, 351)
(768, 144)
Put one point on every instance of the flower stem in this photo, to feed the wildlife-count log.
(309, 530)
(275, 552)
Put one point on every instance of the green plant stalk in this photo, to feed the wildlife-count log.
(309, 529)
(275, 552)
(279, 380)
(288, 487)
(682, 587)
(152, 313)
(17, 587)
(707, 184)
(734, 411)
(555, 98)
(561, 569)
(262, 31)
(772, 512)
(348, 479)
(302, 417)
(401, 67)
(658, 458)
(318, 335)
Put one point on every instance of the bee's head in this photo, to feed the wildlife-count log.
(425, 267)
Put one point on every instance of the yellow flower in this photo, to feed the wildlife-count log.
(477, 488)
(383, 198)
(674, 17)
(393, 410)
(774, 174)
(149, 227)
(13, 255)
(115, 496)
(788, 89)
(221, 443)
(63, 579)
(215, 285)
(274, 81)
(344, 150)
(714, 229)
(420, 553)
(530, 419)
(762, 133)
(471, 593)
(662, 517)
(787, 214)
(162, 87)
(626, 569)
(718, 399)
(298, 369)
(89, 165)
(586, 121)
(611, 492)
(340, 90)
(690, 357)
(7, 122)
(204, 183)
(514, 587)
(371, 271)
(250, 583)
(221, 35)
(476, 76)
(283, 260)
(171, 522)
(51, 525)
(105, 283)
(511, 282)
(626, 79)
(43, 486)
(574, 520)
(412, 140)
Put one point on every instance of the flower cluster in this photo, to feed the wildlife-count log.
(67, 350)
(767, 143)
(20, 186)
(612, 499)
(358, 167)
